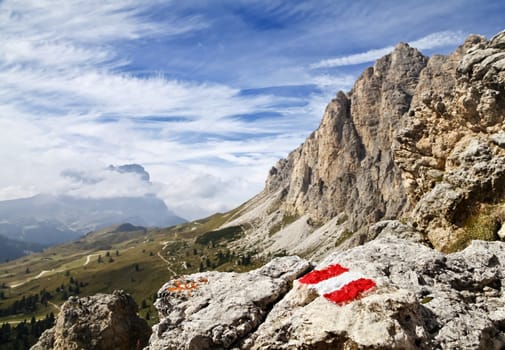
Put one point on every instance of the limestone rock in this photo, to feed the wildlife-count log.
(418, 139)
(347, 164)
(423, 300)
(99, 322)
(215, 310)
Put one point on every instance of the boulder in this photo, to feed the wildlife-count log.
(99, 322)
(423, 300)
(215, 310)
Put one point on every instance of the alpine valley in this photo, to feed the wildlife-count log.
(402, 183)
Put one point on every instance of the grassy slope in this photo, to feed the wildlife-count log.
(138, 269)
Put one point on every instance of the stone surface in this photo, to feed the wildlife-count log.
(99, 322)
(347, 164)
(423, 300)
(215, 310)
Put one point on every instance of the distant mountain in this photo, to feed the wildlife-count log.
(50, 219)
(12, 249)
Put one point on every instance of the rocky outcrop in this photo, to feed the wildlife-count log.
(417, 138)
(99, 322)
(347, 164)
(215, 310)
(449, 147)
(423, 299)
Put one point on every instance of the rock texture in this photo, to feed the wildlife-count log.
(417, 138)
(215, 310)
(449, 146)
(347, 164)
(99, 322)
(423, 300)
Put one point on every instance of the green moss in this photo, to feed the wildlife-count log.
(481, 226)
(344, 236)
(426, 300)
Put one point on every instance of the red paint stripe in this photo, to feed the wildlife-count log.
(317, 276)
(350, 290)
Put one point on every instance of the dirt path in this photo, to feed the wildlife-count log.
(168, 263)
(88, 259)
(41, 274)
(54, 305)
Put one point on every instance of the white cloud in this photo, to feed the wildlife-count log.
(61, 80)
(431, 41)
(87, 21)
(439, 39)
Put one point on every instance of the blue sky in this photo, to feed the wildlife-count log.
(207, 95)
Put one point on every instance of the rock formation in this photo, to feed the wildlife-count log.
(211, 310)
(99, 322)
(423, 300)
(419, 139)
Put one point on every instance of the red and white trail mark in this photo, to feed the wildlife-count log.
(337, 283)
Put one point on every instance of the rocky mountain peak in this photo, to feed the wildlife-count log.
(347, 164)
(417, 138)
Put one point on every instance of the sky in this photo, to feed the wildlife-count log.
(205, 95)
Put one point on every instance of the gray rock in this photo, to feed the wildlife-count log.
(417, 139)
(99, 322)
(423, 300)
(499, 139)
(394, 229)
(347, 165)
(214, 310)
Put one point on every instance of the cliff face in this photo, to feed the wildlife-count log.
(450, 146)
(419, 139)
(347, 165)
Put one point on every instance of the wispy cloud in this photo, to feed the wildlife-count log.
(69, 102)
(431, 41)
(207, 96)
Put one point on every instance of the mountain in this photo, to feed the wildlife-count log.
(392, 199)
(417, 139)
(53, 219)
(11, 249)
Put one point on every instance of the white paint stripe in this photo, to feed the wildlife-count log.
(335, 283)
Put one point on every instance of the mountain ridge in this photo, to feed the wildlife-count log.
(411, 126)
(64, 218)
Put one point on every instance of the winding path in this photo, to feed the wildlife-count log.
(168, 263)
(88, 259)
(54, 305)
(41, 274)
